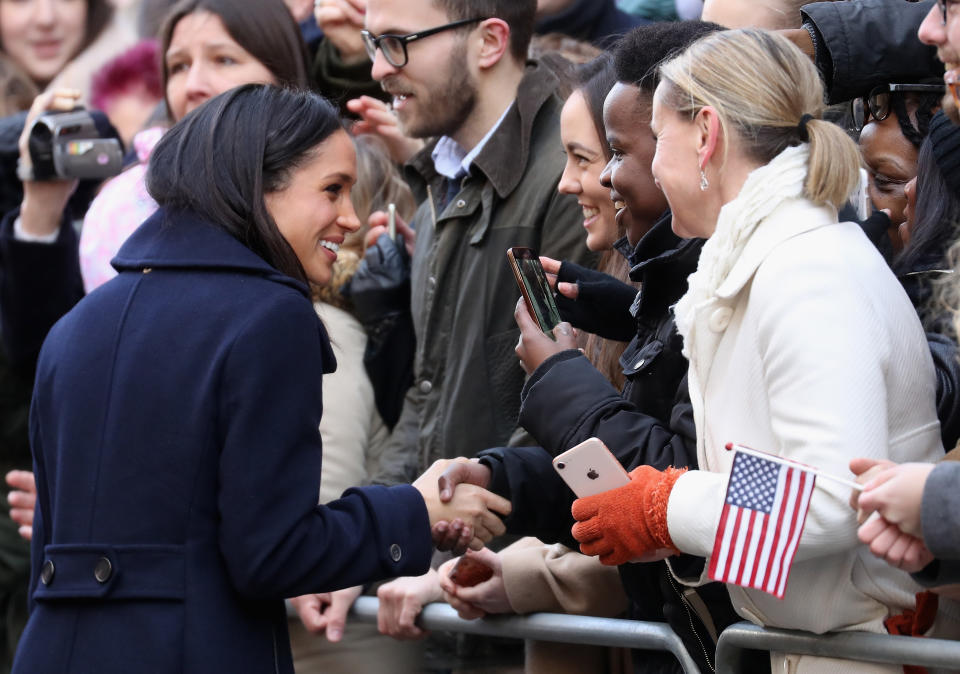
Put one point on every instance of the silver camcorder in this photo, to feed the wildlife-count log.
(67, 145)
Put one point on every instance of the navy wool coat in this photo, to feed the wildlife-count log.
(175, 436)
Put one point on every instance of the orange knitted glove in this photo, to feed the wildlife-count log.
(627, 522)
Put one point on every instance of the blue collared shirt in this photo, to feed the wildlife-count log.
(452, 161)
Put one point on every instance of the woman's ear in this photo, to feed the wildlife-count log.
(709, 132)
(495, 42)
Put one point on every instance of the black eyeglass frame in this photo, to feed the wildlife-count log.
(878, 111)
(942, 4)
(372, 43)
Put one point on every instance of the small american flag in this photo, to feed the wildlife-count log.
(763, 514)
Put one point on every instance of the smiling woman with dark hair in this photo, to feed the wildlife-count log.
(175, 417)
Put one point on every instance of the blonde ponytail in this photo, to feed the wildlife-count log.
(761, 86)
(834, 164)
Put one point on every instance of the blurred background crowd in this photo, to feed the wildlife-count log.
(519, 125)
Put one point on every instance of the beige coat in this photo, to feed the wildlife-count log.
(351, 427)
(556, 579)
(809, 350)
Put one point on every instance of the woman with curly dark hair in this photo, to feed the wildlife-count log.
(893, 120)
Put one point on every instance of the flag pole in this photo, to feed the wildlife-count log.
(816, 471)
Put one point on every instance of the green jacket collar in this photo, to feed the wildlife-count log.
(498, 160)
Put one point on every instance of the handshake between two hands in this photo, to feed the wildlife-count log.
(621, 525)
(463, 513)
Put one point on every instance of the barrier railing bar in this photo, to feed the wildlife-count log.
(548, 627)
(883, 648)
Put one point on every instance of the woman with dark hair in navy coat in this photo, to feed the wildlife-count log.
(175, 416)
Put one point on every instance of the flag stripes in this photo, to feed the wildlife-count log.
(761, 523)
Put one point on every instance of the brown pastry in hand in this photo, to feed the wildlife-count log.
(468, 571)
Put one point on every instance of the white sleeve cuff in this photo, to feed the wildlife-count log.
(21, 235)
(693, 511)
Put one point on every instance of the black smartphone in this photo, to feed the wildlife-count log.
(533, 285)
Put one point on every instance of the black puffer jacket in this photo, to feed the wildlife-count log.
(859, 45)
(567, 400)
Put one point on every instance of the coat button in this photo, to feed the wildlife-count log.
(720, 319)
(639, 363)
(103, 570)
(426, 386)
(46, 572)
(461, 203)
(395, 552)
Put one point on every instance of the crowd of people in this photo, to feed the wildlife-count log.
(279, 361)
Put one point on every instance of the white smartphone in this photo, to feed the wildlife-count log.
(392, 221)
(590, 468)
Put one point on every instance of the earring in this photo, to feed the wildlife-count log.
(704, 184)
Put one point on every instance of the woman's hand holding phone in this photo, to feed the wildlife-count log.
(379, 223)
(534, 345)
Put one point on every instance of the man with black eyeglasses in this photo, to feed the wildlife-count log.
(458, 73)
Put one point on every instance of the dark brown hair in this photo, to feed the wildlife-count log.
(199, 167)
(264, 28)
(596, 80)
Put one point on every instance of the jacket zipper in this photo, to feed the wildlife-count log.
(687, 608)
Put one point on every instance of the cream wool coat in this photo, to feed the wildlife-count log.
(809, 350)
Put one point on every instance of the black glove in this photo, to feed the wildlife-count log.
(602, 305)
(380, 292)
(875, 227)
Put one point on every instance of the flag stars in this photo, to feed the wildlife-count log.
(753, 483)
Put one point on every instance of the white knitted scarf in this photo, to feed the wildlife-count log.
(764, 190)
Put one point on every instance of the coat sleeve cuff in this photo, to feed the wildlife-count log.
(693, 511)
(493, 459)
(403, 528)
(554, 578)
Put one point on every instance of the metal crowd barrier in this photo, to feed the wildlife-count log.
(883, 648)
(571, 629)
(863, 646)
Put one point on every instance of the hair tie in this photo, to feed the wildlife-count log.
(802, 128)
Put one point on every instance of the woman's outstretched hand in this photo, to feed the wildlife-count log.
(455, 536)
(472, 505)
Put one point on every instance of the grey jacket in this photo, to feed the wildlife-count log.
(940, 518)
(467, 379)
